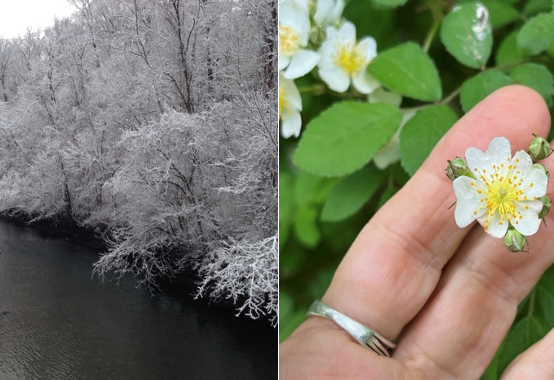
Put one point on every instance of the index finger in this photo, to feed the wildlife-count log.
(396, 261)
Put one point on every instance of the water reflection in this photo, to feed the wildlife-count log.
(56, 322)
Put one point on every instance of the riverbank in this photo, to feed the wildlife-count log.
(50, 304)
(185, 284)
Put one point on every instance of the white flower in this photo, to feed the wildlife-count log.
(290, 105)
(328, 11)
(294, 27)
(505, 190)
(344, 61)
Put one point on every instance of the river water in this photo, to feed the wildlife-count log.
(56, 322)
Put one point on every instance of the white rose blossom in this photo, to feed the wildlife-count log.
(294, 27)
(290, 105)
(505, 190)
(328, 11)
(344, 60)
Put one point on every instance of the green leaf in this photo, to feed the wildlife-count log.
(537, 77)
(284, 233)
(345, 137)
(537, 34)
(480, 86)
(306, 228)
(420, 135)
(537, 6)
(286, 199)
(467, 34)
(372, 20)
(508, 51)
(387, 194)
(308, 188)
(545, 296)
(351, 193)
(389, 3)
(525, 333)
(408, 70)
(545, 300)
(501, 13)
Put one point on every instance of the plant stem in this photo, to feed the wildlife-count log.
(452, 95)
(431, 35)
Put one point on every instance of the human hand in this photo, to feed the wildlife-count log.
(447, 295)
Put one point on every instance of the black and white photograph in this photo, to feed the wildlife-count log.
(138, 189)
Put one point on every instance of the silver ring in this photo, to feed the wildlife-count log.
(363, 334)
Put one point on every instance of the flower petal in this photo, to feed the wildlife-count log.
(494, 228)
(294, 16)
(369, 47)
(468, 201)
(337, 10)
(283, 61)
(336, 79)
(327, 51)
(291, 125)
(529, 222)
(477, 159)
(523, 162)
(499, 151)
(301, 64)
(534, 184)
(347, 32)
(365, 83)
(292, 93)
(323, 11)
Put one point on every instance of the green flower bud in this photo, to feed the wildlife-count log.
(544, 169)
(457, 168)
(539, 148)
(514, 241)
(546, 204)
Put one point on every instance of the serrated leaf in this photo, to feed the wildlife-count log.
(351, 193)
(537, 34)
(420, 135)
(389, 3)
(525, 333)
(537, 77)
(305, 227)
(480, 86)
(409, 71)
(467, 34)
(508, 52)
(345, 137)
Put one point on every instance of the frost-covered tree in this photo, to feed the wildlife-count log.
(153, 124)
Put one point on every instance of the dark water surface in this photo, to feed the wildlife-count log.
(58, 323)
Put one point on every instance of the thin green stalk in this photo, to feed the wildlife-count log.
(431, 35)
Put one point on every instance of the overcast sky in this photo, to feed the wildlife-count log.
(17, 15)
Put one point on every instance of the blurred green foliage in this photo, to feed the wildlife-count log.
(443, 57)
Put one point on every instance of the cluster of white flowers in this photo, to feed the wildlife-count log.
(341, 59)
